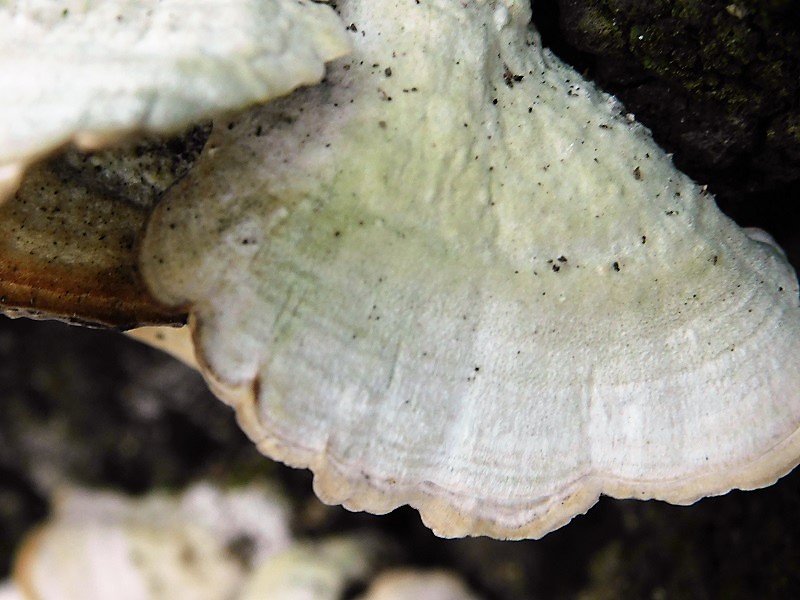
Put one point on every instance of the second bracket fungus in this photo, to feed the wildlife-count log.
(201, 545)
(455, 275)
(95, 71)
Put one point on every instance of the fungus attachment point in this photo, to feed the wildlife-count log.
(70, 234)
(380, 303)
(176, 341)
(98, 70)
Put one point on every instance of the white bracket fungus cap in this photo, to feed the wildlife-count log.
(93, 71)
(456, 276)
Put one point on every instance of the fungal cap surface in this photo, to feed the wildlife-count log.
(457, 276)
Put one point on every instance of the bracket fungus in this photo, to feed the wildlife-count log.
(455, 275)
(93, 72)
(202, 544)
(208, 543)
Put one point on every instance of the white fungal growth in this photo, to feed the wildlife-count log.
(476, 287)
(94, 71)
(102, 545)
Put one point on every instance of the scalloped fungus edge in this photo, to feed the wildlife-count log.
(303, 271)
(496, 520)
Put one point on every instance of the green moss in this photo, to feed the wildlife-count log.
(731, 48)
(785, 130)
(601, 31)
(773, 77)
(741, 55)
(636, 10)
(688, 11)
(647, 42)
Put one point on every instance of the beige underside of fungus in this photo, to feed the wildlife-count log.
(456, 276)
(94, 71)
